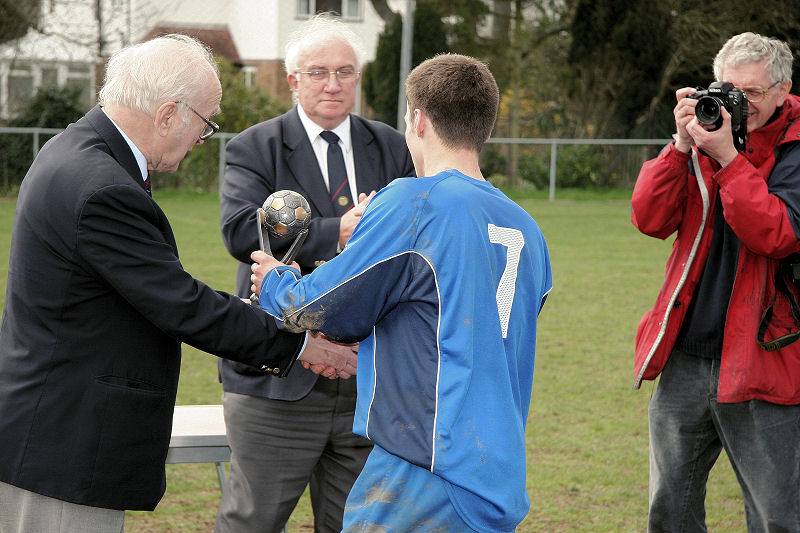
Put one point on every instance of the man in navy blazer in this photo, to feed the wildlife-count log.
(97, 302)
(315, 415)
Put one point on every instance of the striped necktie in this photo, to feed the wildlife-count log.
(337, 175)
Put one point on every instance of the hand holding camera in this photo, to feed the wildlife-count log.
(714, 119)
(710, 103)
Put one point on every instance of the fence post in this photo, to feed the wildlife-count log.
(553, 155)
(35, 144)
(221, 164)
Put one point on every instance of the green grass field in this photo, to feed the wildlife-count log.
(587, 429)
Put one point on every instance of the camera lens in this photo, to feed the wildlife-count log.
(707, 110)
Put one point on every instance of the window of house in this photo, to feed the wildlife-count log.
(49, 77)
(348, 9)
(329, 5)
(249, 73)
(304, 8)
(352, 9)
(19, 81)
(20, 87)
(81, 76)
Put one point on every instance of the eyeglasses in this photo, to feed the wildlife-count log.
(342, 74)
(211, 127)
(756, 94)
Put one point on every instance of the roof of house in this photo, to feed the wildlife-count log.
(218, 39)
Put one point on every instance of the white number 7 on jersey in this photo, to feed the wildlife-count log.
(513, 240)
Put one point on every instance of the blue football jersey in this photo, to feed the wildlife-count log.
(442, 282)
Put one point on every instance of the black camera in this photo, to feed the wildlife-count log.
(709, 109)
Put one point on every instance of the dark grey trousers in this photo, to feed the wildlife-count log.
(23, 511)
(689, 429)
(279, 447)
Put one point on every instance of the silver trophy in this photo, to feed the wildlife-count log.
(285, 214)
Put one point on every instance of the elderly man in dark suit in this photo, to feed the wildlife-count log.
(97, 303)
(334, 159)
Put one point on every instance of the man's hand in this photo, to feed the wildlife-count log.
(263, 263)
(718, 143)
(329, 359)
(349, 220)
(684, 113)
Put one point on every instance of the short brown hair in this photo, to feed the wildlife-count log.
(459, 95)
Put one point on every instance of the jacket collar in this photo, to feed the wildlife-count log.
(117, 145)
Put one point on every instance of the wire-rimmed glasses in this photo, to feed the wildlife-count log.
(211, 126)
(322, 74)
(756, 94)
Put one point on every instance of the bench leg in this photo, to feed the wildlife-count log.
(222, 475)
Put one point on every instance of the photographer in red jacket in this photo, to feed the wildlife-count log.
(737, 214)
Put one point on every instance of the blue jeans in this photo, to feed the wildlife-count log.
(689, 429)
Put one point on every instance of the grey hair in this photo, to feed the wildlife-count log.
(321, 29)
(171, 68)
(751, 47)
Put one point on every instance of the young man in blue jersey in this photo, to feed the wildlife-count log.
(442, 282)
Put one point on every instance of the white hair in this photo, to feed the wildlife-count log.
(321, 29)
(751, 47)
(143, 76)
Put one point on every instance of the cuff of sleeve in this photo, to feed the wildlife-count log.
(283, 372)
(279, 270)
(677, 155)
(726, 173)
(302, 348)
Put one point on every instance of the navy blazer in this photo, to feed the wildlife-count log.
(276, 155)
(96, 308)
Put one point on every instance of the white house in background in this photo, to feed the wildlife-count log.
(76, 36)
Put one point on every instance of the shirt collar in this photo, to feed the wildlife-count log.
(140, 158)
(313, 129)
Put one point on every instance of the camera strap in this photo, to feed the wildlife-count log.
(785, 272)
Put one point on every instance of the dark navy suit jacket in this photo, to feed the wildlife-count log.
(276, 155)
(96, 308)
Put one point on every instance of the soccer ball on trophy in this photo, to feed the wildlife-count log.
(285, 214)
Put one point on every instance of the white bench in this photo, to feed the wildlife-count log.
(198, 436)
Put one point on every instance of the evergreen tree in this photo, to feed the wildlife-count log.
(382, 76)
(50, 107)
(629, 57)
(618, 54)
(16, 17)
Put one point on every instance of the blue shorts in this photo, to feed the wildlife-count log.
(394, 496)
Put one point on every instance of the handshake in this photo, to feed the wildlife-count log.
(284, 214)
(329, 359)
(321, 355)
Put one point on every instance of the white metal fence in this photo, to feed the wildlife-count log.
(632, 160)
(555, 143)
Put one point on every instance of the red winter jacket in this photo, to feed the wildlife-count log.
(671, 196)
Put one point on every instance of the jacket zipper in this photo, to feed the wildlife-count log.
(704, 195)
